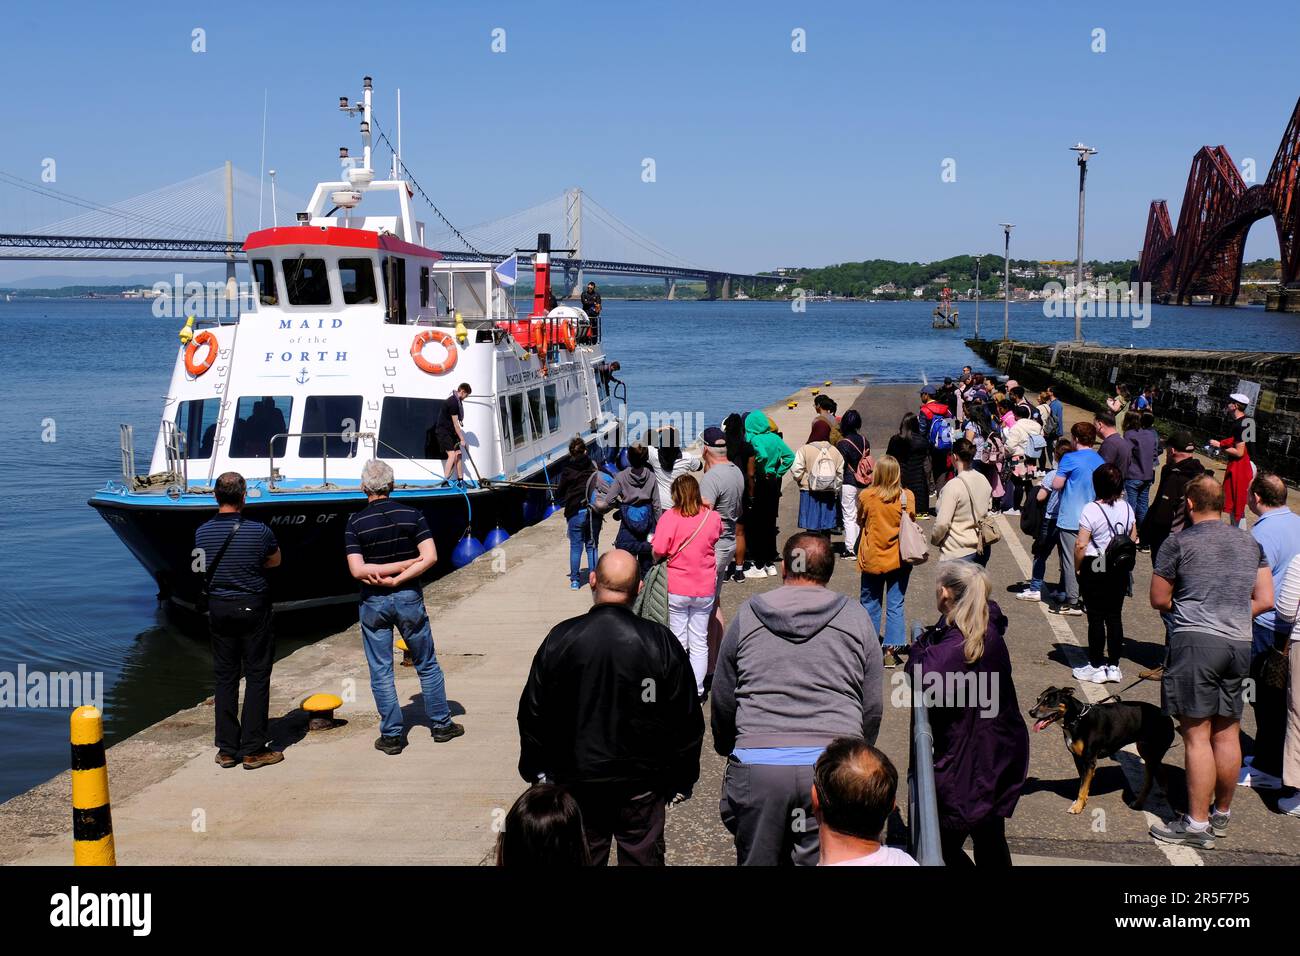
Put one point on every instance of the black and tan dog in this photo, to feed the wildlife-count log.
(1093, 731)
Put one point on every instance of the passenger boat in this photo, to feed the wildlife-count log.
(358, 334)
(945, 316)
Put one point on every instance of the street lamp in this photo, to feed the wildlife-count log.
(1006, 280)
(275, 217)
(1084, 152)
(977, 297)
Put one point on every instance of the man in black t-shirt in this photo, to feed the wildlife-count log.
(233, 554)
(450, 429)
(389, 546)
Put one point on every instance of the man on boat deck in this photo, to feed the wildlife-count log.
(450, 429)
(389, 546)
(591, 305)
(236, 554)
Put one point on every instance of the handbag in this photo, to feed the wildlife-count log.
(201, 601)
(986, 528)
(656, 581)
(911, 543)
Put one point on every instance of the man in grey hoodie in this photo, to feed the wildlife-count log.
(798, 667)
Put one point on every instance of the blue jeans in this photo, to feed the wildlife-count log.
(892, 587)
(404, 609)
(981, 559)
(1037, 573)
(1138, 492)
(583, 534)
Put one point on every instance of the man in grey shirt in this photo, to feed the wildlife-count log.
(1211, 579)
(722, 488)
(799, 667)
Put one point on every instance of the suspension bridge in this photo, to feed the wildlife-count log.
(203, 219)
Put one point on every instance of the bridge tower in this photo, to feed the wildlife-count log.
(232, 287)
(573, 239)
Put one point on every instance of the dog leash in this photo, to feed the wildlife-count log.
(1118, 695)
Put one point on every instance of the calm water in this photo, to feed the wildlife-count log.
(73, 598)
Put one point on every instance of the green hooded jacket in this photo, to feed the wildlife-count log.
(771, 455)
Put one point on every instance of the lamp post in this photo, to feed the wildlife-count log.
(977, 297)
(1084, 152)
(1006, 280)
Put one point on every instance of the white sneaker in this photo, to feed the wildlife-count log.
(754, 572)
(1290, 805)
(1089, 673)
(771, 571)
(1257, 780)
(1113, 674)
(1029, 596)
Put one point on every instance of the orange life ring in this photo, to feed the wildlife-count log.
(569, 334)
(443, 339)
(203, 338)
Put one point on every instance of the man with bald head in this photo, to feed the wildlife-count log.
(610, 711)
(1277, 529)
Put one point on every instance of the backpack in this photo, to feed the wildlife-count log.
(597, 485)
(1049, 421)
(865, 464)
(1121, 552)
(824, 475)
(940, 436)
(1036, 445)
(638, 518)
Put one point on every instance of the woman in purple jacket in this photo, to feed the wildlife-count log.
(961, 669)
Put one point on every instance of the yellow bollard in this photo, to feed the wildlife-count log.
(92, 821)
(827, 383)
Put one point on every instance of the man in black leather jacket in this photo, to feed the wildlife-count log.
(610, 712)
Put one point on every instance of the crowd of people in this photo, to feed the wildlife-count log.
(611, 719)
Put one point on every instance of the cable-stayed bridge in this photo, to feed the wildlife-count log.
(205, 218)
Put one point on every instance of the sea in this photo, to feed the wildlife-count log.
(73, 600)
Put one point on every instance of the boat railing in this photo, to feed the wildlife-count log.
(127, 441)
(350, 436)
(176, 452)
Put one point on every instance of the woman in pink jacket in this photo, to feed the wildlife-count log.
(686, 536)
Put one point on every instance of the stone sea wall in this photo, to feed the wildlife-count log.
(1192, 387)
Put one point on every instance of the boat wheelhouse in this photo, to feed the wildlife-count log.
(358, 335)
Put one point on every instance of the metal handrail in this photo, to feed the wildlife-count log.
(922, 797)
(324, 448)
(176, 449)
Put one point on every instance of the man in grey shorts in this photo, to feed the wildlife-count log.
(1211, 579)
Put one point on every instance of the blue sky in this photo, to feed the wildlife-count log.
(764, 157)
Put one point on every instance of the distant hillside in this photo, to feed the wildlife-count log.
(958, 273)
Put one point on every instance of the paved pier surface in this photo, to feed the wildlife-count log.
(337, 800)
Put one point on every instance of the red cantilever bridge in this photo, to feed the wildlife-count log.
(1203, 257)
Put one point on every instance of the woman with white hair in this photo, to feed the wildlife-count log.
(960, 671)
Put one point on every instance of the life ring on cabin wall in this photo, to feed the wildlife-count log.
(569, 335)
(203, 338)
(443, 339)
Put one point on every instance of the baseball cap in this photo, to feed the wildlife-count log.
(927, 390)
(1181, 440)
(714, 438)
(1240, 399)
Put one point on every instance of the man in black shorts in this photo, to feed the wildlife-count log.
(1211, 579)
(450, 429)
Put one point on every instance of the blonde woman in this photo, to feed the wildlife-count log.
(981, 743)
(884, 575)
(686, 535)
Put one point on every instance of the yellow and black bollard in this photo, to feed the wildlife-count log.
(92, 821)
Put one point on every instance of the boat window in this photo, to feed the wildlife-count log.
(505, 421)
(535, 412)
(406, 427)
(517, 426)
(306, 282)
(440, 293)
(258, 419)
(197, 421)
(357, 277)
(469, 294)
(424, 287)
(337, 416)
(395, 289)
(552, 409)
(264, 276)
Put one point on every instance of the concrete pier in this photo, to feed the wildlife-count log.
(337, 800)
